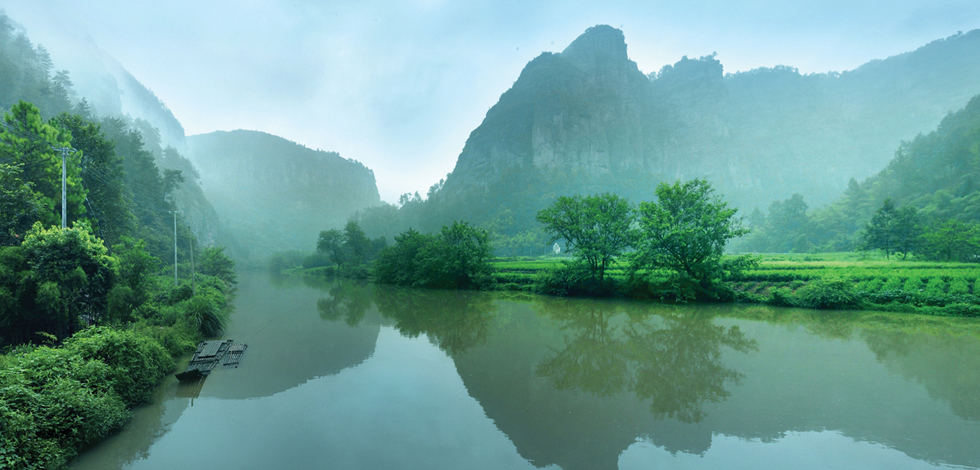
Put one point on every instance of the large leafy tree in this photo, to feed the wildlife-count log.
(952, 240)
(19, 205)
(596, 228)
(30, 143)
(686, 231)
(458, 258)
(893, 230)
(108, 197)
(58, 277)
(214, 262)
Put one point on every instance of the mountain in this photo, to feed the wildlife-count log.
(936, 173)
(588, 120)
(278, 195)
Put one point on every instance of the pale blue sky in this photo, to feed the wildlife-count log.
(400, 85)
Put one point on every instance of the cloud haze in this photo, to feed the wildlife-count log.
(399, 85)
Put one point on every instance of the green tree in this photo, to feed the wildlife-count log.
(686, 231)
(907, 230)
(596, 228)
(357, 247)
(879, 233)
(20, 206)
(135, 282)
(214, 262)
(788, 226)
(457, 258)
(398, 264)
(103, 177)
(71, 275)
(893, 230)
(29, 141)
(952, 240)
(330, 242)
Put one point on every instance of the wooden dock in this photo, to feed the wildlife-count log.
(207, 355)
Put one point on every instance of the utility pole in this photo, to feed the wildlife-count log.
(175, 246)
(193, 271)
(64, 186)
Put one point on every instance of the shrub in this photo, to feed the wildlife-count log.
(179, 294)
(828, 294)
(936, 287)
(963, 309)
(136, 363)
(959, 286)
(893, 283)
(52, 403)
(914, 285)
(206, 311)
(782, 297)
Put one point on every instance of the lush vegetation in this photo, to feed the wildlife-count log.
(455, 258)
(924, 203)
(88, 326)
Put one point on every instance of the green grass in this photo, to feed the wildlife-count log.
(875, 282)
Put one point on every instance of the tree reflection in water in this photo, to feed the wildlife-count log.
(349, 301)
(455, 321)
(673, 359)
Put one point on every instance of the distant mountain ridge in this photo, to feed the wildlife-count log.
(278, 194)
(587, 120)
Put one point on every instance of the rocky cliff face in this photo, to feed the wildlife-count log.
(587, 119)
(276, 194)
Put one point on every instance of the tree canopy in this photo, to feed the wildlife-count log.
(686, 231)
(596, 228)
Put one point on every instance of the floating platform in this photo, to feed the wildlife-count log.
(235, 354)
(207, 355)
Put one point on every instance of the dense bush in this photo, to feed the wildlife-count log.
(457, 258)
(207, 311)
(54, 402)
(136, 363)
(828, 294)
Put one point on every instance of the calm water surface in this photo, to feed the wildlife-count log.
(348, 375)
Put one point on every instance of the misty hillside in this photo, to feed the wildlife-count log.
(937, 173)
(587, 120)
(278, 195)
(98, 87)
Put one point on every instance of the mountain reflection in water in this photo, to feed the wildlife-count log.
(357, 375)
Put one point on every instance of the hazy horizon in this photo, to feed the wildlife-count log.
(399, 88)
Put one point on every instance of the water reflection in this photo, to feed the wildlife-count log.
(349, 301)
(673, 359)
(453, 321)
(574, 383)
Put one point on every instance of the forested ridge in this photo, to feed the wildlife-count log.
(934, 179)
(587, 120)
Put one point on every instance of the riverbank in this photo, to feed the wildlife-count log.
(820, 281)
(58, 399)
(852, 281)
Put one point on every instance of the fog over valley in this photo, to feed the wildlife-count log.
(489, 235)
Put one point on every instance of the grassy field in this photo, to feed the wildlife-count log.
(829, 280)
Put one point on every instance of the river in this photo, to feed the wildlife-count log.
(349, 375)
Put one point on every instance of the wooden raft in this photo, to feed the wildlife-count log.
(235, 354)
(206, 356)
